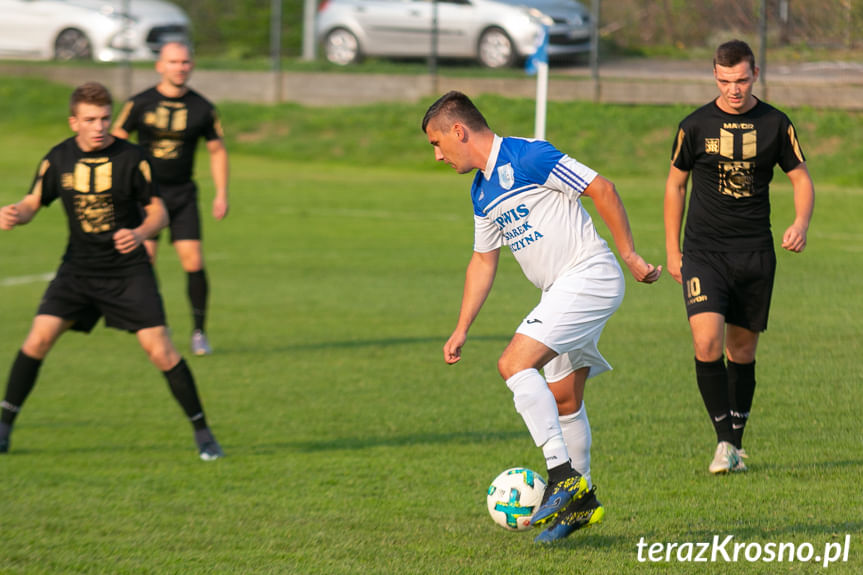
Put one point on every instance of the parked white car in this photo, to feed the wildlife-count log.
(496, 33)
(100, 30)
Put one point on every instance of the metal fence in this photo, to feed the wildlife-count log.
(832, 24)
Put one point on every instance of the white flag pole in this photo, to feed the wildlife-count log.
(541, 99)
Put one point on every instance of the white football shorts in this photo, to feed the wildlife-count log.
(572, 313)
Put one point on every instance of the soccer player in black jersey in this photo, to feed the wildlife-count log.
(170, 118)
(111, 205)
(727, 265)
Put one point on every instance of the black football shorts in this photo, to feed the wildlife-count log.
(737, 285)
(182, 205)
(129, 303)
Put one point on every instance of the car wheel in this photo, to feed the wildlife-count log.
(342, 47)
(495, 49)
(72, 44)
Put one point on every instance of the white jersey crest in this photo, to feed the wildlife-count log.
(506, 176)
(528, 199)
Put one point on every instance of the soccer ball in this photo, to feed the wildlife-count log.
(513, 496)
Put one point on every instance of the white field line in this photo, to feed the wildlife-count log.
(21, 280)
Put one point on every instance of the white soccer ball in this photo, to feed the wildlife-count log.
(513, 497)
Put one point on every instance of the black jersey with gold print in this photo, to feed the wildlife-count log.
(731, 159)
(102, 192)
(169, 129)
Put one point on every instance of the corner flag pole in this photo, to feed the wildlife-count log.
(538, 64)
(541, 100)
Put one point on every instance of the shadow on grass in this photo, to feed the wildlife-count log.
(359, 443)
(590, 539)
(352, 344)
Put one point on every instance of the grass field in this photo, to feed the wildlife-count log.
(351, 447)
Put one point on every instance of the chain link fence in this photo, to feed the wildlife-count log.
(824, 24)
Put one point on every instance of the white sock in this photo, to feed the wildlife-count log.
(576, 433)
(535, 402)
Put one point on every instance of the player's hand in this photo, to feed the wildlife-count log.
(8, 217)
(126, 240)
(641, 270)
(220, 208)
(452, 347)
(794, 239)
(674, 264)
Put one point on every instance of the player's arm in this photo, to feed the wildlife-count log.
(119, 132)
(20, 213)
(675, 201)
(219, 170)
(477, 284)
(611, 210)
(155, 218)
(119, 129)
(794, 239)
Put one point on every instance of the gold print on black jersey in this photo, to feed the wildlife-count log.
(737, 177)
(171, 119)
(92, 179)
(171, 116)
(166, 149)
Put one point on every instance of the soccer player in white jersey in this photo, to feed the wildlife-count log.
(526, 195)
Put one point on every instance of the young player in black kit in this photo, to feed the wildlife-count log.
(170, 118)
(111, 205)
(727, 264)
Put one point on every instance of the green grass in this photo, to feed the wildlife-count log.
(352, 447)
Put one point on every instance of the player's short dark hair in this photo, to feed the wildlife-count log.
(454, 106)
(732, 53)
(89, 93)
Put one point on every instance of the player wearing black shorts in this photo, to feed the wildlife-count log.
(727, 264)
(170, 118)
(112, 205)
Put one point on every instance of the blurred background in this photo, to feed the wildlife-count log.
(588, 42)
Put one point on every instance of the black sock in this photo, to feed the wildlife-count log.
(198, 289)
(182, 385)
(741, 390)
(22, 378)
(203, 436)
(713, 385)
(560, 472)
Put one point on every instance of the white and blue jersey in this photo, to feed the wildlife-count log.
(528, 198)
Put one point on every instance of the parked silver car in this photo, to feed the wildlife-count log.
(101, 30)
(496, 33)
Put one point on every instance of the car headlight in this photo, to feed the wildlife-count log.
(115, 14)
(540, 17)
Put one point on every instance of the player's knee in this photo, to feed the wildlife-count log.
(164, 358)
(37, 345)
(741, 355)
(708, 349)
(161, 352)
(36, 348)
(567, 404)
(507, 367)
